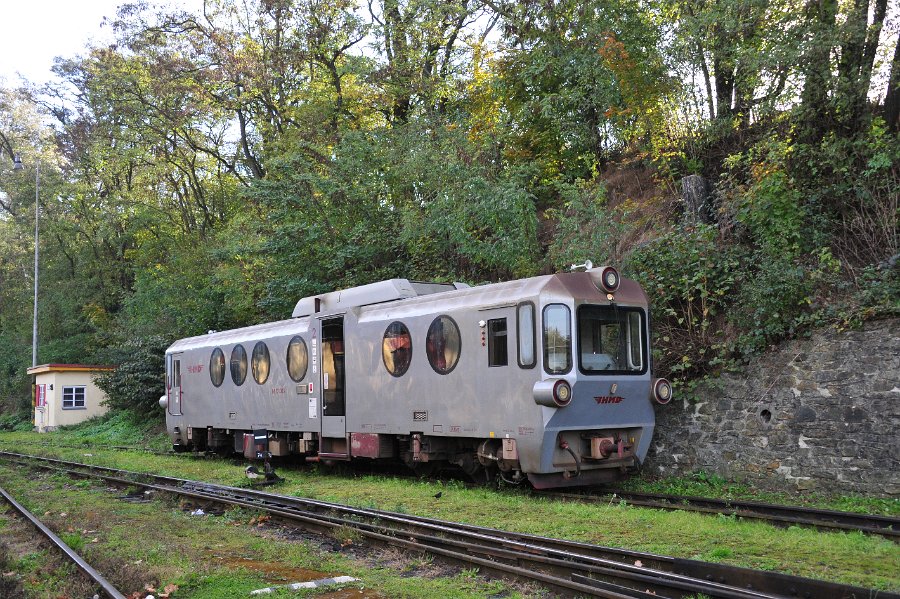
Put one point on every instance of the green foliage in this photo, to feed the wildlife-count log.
(74, 540)
(776, 298)
(587, 228)
(206, 173)
(10, 586)
(16, 422)
(771, 210)
(121, 427)
(138, 381)
(690, 277)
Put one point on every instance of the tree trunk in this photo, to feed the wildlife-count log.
(816, 65)
(892, 99)
(695, 192)
(724, 77)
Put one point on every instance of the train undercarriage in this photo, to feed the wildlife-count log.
(481, 460)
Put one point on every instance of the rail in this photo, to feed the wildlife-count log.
(85, 567)
(570, 567)
(786, 515)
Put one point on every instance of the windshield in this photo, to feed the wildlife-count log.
(611, 340)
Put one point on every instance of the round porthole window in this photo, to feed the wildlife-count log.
(217, 367)
(443, 344)
(297, 359)
(238, 365)
(396, 349)
(259, 363)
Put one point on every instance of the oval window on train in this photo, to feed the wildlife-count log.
(217, 367)
(238, 364)
(396, 349)
(259, 363)
(443, 344)
(297, 359)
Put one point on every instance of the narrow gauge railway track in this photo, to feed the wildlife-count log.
(569, 567)
(780, 514)
(82, 565)
(785, 515)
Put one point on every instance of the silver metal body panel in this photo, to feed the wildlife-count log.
(279, 404)
(472, 401)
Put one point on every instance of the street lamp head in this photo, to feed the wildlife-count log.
(17, 163)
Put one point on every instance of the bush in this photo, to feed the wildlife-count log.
(775, 295)
(690, 278)
(139, 379)
(118, 428)
(15, 422)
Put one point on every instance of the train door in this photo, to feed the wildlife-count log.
(173, 383)
(333, 384)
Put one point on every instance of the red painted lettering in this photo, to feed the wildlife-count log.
(608, 399)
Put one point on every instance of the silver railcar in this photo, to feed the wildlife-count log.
(547, 378)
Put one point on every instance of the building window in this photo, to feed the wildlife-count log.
(217, 367)
(297, 359)
(557, 339)
(396, 349)
(259, 363)
(443, 344)
(238, 365)
(525, 334)
(497, 348)
(73, 398)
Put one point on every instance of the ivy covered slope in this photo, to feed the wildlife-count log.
(205, 171)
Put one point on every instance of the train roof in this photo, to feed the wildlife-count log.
(366, 295)
(241, 335)
(396, 297)
(580, 285)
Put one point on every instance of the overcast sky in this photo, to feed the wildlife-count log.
(33, 32)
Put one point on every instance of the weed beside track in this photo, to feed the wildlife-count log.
(848, 558)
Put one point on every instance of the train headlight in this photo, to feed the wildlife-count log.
(609, 279)
(553, 393)
(562, 393)
(662, 391)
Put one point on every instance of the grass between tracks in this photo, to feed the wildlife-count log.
(160, 547)
(701, 484)
(851, 558)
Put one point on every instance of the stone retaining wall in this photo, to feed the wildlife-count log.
(817, 414)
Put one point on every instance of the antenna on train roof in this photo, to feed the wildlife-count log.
(587, 265)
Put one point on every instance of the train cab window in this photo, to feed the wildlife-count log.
(238, 365)
(525, 334)
(443, 344)
(497, 346)
(635, 347)
(557, 339)
(259, 362)
(217, 367)
(610, 340)
(396, 349)
(297, 359)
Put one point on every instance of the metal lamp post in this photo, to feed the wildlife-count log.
(37, 213)
(17, 165)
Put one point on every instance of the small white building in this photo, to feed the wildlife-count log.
(66, 394)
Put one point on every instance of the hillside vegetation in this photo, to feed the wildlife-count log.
(208, 169)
